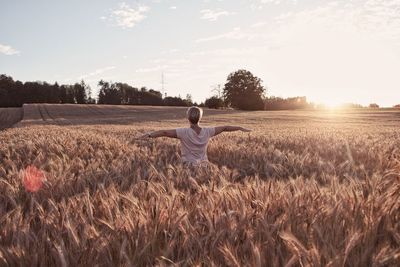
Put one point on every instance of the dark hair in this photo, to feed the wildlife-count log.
(194, 114)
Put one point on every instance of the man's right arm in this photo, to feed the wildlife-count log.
(221, 129)
(161, 133)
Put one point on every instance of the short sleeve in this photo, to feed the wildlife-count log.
(180, 132)
(211, 131)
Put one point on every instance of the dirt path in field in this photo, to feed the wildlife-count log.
(38, 114)
(41, 113)
(95, 110)
(48, 113)
(10, 116)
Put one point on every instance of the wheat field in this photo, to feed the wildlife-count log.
(305, 188)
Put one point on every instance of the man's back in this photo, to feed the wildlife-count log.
(194, 145)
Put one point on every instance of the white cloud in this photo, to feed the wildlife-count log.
(8, 50)
(179, 61)
(127, 17)
(381, 16)
(157, 60)
(236, 34)
(259, 24)
(171, 51)
(173, 7)
(213, 15)
(284, 16)
(96, 72)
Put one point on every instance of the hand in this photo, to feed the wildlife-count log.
(245, 130)
(145, 136)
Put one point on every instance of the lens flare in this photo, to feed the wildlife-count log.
(33, 179)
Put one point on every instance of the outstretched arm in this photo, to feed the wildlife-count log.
(161, 133)
(221, 129)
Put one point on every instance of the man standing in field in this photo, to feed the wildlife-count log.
(194, 139)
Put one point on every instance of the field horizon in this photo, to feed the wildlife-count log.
(60, 114)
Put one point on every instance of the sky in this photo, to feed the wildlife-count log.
(330, 51)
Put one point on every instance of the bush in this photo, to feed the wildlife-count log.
(214, 102)
(373, 105)
(175, 101)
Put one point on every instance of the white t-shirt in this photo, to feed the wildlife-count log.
(193, 145)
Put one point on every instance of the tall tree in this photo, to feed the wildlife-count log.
(189, 100)
(70, 94)
(55, 93)
(109, 93)
(244, 91)
(63, 94)
(80, 92)
(6, 85)
(88, 91)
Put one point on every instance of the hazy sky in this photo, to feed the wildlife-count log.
(329, 51)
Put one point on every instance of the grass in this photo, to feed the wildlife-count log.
(304, 188)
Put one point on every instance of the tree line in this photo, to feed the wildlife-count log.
(16, 93)
(242, 90)
(125, 94)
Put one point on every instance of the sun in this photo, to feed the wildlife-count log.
(332, 103)
(329, 102)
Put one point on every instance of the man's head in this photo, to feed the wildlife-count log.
(194, 114)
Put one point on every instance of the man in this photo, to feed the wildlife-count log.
(194, 139)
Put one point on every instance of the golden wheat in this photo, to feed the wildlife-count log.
(303, 189)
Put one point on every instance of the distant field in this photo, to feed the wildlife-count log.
(305, 188)
(101, 114)
(9, 116)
